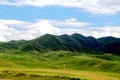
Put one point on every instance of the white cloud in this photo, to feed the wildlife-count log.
(44, 27)
(5, 31)
(40, 27)
(74, 23)
(68, 23)
(103, 7)
(16, 30)
(15, 23)
(95, 32)
(84, 31)
(106, 31)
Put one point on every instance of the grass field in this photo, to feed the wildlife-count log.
(58, 65)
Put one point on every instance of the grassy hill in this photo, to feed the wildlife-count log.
(63, 64)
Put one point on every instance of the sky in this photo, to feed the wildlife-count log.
(29, 19)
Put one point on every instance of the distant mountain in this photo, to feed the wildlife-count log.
(86, 42)
(106, 40)
(71, 43)
(46, 42)
(112, 47)
(74, 42)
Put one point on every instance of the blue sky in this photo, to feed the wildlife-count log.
(34, 18)
(29, 13)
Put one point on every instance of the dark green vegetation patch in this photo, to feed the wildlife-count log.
(74, 42)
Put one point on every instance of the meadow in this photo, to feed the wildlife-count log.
(58, 65)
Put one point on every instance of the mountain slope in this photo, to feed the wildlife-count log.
(74, 42)
(71, 43)
(46, 42)
(86, 42)
(106, 40)
(112, 47)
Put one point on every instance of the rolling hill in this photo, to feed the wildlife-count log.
(59, 65)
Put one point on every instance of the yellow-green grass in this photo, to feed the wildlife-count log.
(81, 74)
(59, 65)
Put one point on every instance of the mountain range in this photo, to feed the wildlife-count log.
(74, 42)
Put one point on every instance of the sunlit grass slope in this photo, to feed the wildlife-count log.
(59, 65)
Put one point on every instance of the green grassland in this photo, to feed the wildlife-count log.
(58, 65)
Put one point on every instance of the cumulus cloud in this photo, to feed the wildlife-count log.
(68, 23)
(16, 23)
(102, 7)
(106, 31)
(17, 30)
(5, 31)
(95, 32)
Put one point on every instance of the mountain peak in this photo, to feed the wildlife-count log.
(74, 42)
(77, 35)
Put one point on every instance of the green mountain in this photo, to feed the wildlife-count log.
(86, 42)
(106, 40)
(112, 47)
(109, 45)
(45, 42)
(74, 42)
(71, 43)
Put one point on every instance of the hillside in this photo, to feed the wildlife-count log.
(74, 42)
(59, 65)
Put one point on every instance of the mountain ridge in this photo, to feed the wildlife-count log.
(74, 42)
